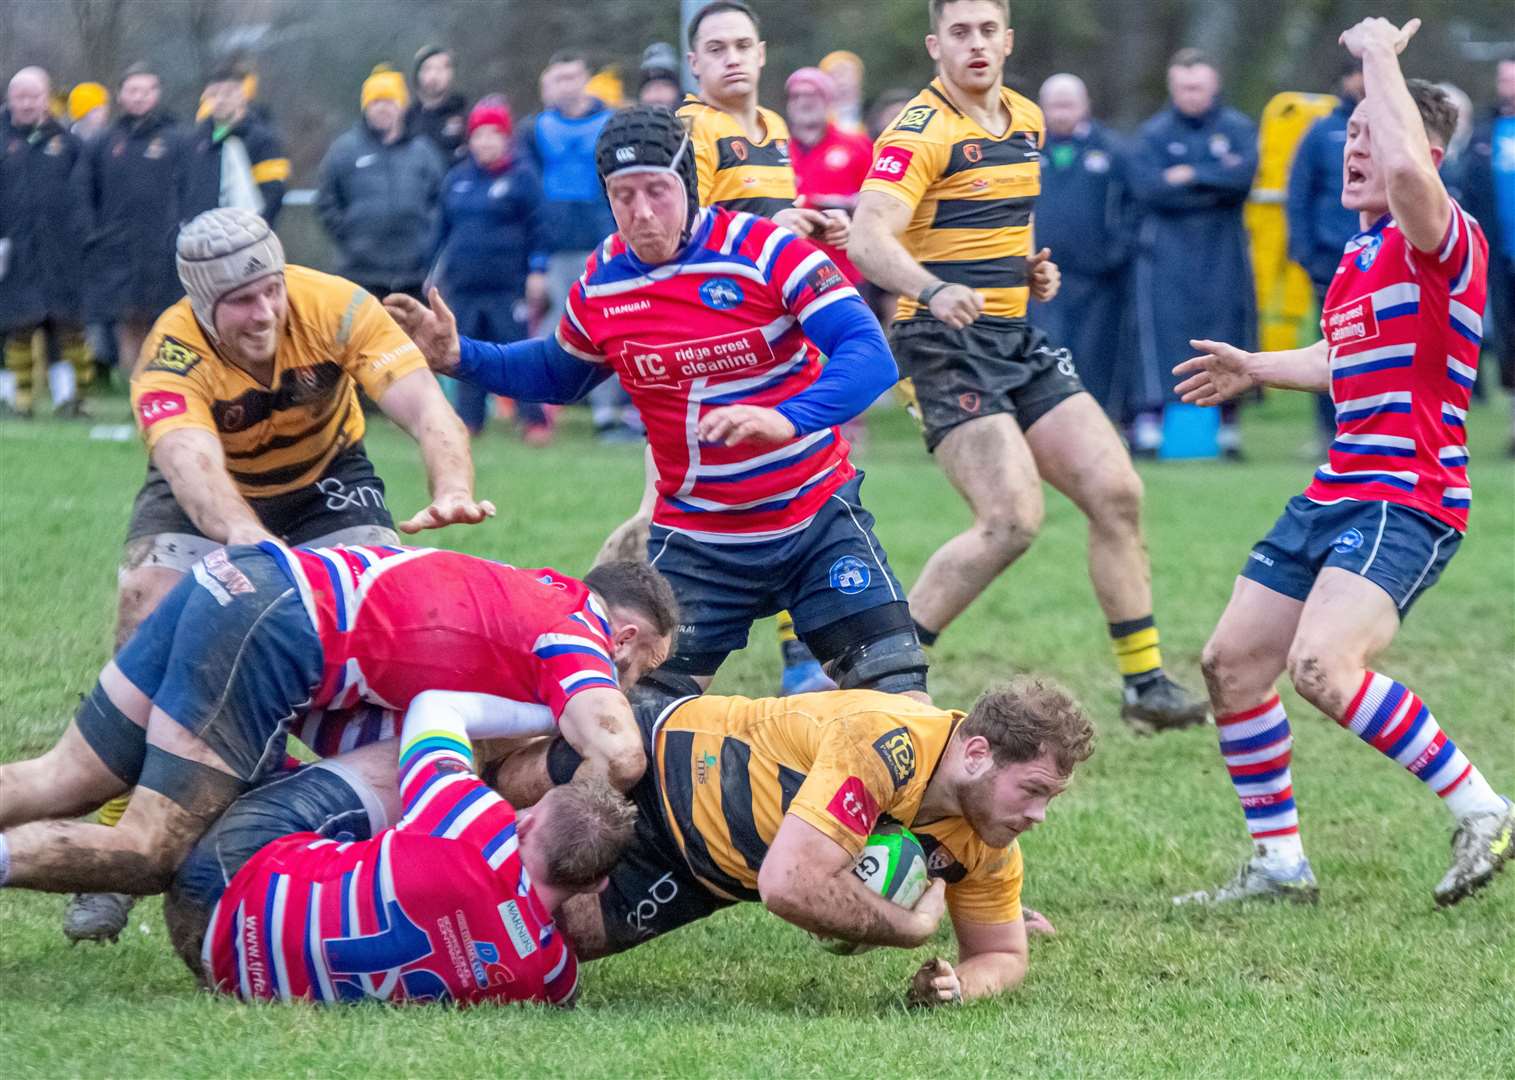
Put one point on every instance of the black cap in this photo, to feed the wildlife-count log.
(649, 137)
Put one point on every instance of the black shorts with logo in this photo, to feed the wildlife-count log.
(348, 495)
(651, 890)
(994, 365)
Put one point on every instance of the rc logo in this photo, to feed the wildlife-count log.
(849, 575)
(1350, 540)
(721, 293)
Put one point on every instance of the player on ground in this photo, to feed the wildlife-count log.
(197, 707)
(1326, 590)
(742, 163)
(246, 395)
(715, 323)
(455, 903)
(957, 177)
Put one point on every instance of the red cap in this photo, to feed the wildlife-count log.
(490, 112)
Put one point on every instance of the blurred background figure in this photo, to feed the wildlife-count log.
(236, 158)
(492, 253)
(132, 181)
(1191, 170)
(1084, 215)
(41, 250)
(379, 190)
(1319, 226)
(829, 164)
(1488, 184)
(559, 142)
(658, 76)
(88, 110)
(846, 71)
(438, 112)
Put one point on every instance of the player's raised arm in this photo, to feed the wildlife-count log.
(807, 879)
(1222, 371)
(1400, 148)
(192, 461)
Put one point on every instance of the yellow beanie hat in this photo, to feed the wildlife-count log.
(385, 86)
(86, 97)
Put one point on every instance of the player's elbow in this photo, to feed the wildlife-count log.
(625, 766)
(781, 887)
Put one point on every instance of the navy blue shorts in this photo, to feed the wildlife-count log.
(833, 568)
(229, 654)
(1402, 551)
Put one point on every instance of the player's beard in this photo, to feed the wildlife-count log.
(976, 798)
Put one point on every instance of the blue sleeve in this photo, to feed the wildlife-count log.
(859, 367)
(537, 369)
(1299, 199)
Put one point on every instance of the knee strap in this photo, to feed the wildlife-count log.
(875, 649)
(111, 734)
(562, 761)
(200, 789)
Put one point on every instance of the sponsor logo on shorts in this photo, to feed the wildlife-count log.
(517, 930)
(721, 293)
(340, 497)
(970, 402)
(221, 568)
(891, 164)
(849, 575)
(1258, 556)
(661, 892)
(173, 356)
(854, 807)
(158, 405)
(1350, 540)
(898, 754)
(1065, 363)
(915, 118)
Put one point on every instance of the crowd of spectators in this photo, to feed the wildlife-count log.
(430, 187)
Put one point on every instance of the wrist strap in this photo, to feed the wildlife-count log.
(924, 299)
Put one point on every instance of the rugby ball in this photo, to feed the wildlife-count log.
(892, 864)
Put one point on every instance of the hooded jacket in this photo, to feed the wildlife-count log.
(40, 218)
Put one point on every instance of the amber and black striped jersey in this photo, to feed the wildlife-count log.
(972, 194)
(730, 768)
(281, 436)
(733, 171)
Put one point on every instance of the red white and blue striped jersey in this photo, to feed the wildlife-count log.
(436, 908)
(722, 324)
(1404, 327)
(395, 622)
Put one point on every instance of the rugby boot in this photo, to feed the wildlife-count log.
(1162, 705)
(806, 677)
(1258, 881)
(96, 916)
(1481, 846)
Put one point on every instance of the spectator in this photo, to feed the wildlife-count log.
(658, 78)
(846, 71)
(1319, 226)
(1489, 184)
(88, 110)
(379, 187)
(886, 107)
(559, 142)
(130, 183)
(1084, 215)
(236, 159)
(1191, 171)
(829, 164)
(439, 112)
(41, 263)
(492, 252)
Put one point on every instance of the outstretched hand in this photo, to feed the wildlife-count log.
(433, 329)
(457, 509)
(1218, 375)
(1377, 31)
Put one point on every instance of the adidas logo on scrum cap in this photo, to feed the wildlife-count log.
(254, 264)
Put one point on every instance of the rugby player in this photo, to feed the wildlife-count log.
(1323, 593)
(454, 903)
(742, 163)
(766, 799)
(246, 395)
(716, 322)
(956, 176)
(196, 708)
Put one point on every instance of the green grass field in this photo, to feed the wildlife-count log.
(1375, 981)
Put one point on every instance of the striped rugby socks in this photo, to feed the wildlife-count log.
(1388, 716)
(1257, 747)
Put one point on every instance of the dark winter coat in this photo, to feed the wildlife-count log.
(378, 202)
(1319, 226)
(446, 125)
(39, 215)
(269, 168)
(132, 181)
(491, 236)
